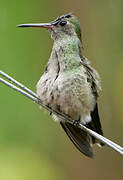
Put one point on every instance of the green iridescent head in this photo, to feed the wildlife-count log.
(76, 25)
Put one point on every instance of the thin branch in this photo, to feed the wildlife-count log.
(18, 84)
(34, 97)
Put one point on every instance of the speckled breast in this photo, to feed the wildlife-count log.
(68, 93)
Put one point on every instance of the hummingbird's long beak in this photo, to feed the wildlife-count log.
(46, 25)
(40, 25)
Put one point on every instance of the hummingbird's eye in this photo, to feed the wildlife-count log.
(63, 23)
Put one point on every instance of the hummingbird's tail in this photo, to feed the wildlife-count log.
(79, 137)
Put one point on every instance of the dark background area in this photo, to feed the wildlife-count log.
(32, 146)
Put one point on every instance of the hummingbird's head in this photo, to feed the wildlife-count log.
(65, 25)
(60, 27)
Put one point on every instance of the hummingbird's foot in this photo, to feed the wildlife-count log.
(50, 113)
(76, 122)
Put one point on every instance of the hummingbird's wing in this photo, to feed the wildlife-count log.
(79, 138)
(93, 79)
(95, 124)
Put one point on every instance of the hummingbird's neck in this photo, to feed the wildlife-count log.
(67, 51)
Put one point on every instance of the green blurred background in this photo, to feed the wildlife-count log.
(32, 146)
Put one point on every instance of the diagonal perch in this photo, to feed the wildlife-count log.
(34, 97)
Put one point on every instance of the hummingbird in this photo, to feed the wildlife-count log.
(69, 84)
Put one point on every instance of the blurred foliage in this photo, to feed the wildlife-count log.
(32, 146)
(26, 164)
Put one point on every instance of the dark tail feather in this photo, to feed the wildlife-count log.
(79, 137)
(95, 124)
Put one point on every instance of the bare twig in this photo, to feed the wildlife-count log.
(34, 97)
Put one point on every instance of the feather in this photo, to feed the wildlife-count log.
(79, 138)
(95, 124)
